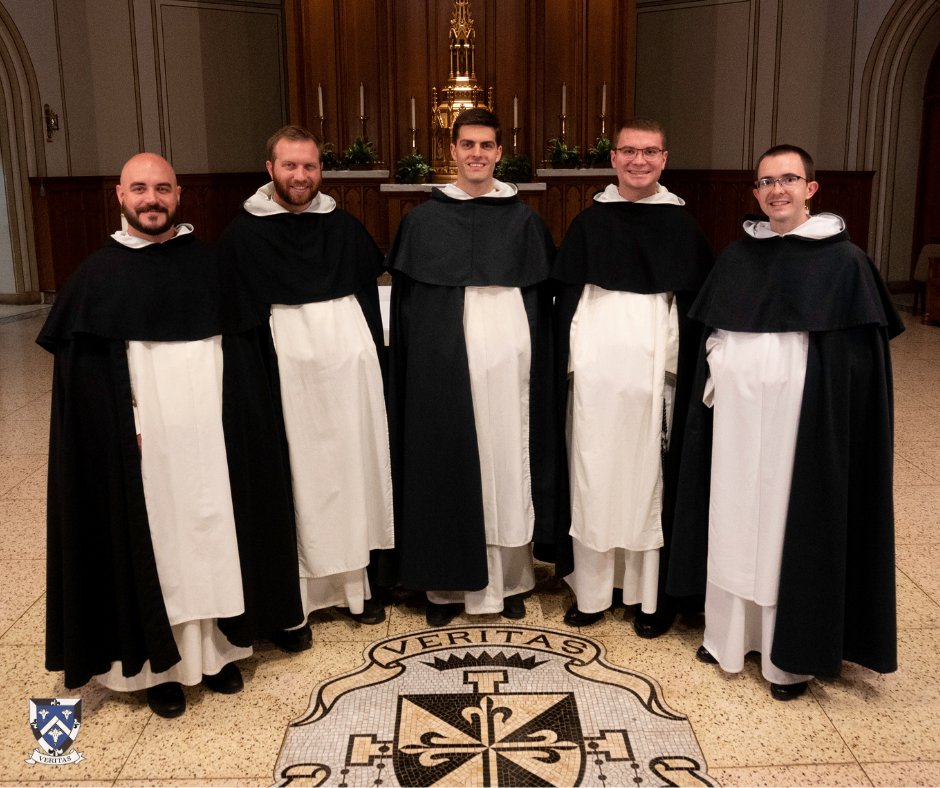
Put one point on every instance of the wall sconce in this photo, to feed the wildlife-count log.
(52, 121)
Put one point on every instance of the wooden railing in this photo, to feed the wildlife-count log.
(73, 216)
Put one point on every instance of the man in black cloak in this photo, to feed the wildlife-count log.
(310, 271)
(470, 407)
(171, 543)
(785, 512)
(630, 266)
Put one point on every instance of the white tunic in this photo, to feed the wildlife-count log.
(496, 330)
(756, 390)
(337, 432)
(177, 391)
(623, 354)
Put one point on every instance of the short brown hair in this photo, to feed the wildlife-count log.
(778, 150)
(643, 124)
(476, 116)
(294, 134)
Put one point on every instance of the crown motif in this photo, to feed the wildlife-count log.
(485, 660)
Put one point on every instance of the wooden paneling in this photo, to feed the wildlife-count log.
(75, 215)
(399, 49)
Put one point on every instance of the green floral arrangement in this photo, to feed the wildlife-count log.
(360, 154)
(562, 156)
(514, 168)
(328, 160)
(599, 155)
(412, 169)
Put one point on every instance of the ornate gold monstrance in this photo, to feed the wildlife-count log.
(461, 92)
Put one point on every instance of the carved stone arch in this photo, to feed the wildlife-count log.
(879, 131)
(22, 154)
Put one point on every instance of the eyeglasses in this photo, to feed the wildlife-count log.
(785, 180)
(648, 153)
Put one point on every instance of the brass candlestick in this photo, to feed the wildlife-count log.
(515, 138)
(564, 119)
(362, 121)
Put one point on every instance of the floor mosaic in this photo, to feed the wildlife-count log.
(494, 705)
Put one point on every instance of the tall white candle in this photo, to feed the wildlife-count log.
(564, 98)
(362, 100)
(413, 125)
(320, 97)
(515, 112)
(604, 99)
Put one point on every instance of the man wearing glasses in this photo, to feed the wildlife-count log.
(629, 267)
(785, 513)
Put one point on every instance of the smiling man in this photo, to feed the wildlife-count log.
(164, 563)
(785, 513)
(629, 267)
(470, 407)
(310, 270)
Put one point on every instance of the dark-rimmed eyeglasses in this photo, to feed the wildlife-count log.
(648, 153)
(783, 180)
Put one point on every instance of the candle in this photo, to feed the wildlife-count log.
(604, 99)
(362, 100)
(515, 112)
(564, 97)
(320, 97)
(413, 125)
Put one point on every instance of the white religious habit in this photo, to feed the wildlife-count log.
(623, 354)
(177, 396)
(755, 388)
(337, 433)
(499, 353)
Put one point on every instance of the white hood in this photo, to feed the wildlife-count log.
(822, 225)
(262, 203)
(662, 196)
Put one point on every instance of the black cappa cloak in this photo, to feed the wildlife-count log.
(837, 589)
(103, 599)
(442, 247)
(638, 248)
(302, 258)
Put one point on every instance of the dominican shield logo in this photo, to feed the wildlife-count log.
(55, 723)
(487, 706)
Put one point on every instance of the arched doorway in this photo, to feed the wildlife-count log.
(889, 128)
(21, 155)
(927, 205)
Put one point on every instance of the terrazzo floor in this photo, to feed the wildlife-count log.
(861, 729)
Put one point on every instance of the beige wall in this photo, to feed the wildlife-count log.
(200, 81)
(842, 78)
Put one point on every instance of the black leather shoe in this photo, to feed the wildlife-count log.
(652, 625)
(293, 640)
(227, 681)
(514, 607)
(373, 612)
(441, 615)
(787, 691)
(575, 618)
(166, 700)
(704, 655)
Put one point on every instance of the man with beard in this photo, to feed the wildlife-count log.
(310, 271)
(170, 531)
(785, 513)
(630, 266)
(470, 387)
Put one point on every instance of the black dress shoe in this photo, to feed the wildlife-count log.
(514, 607)
(166, 700)
(228, 681)
(293, 640)
(441, 615)
(652, 625)
(575, 618)
(373, 612)
(704, 655)
(787, 691)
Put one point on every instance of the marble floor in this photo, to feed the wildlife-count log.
(861, 729)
